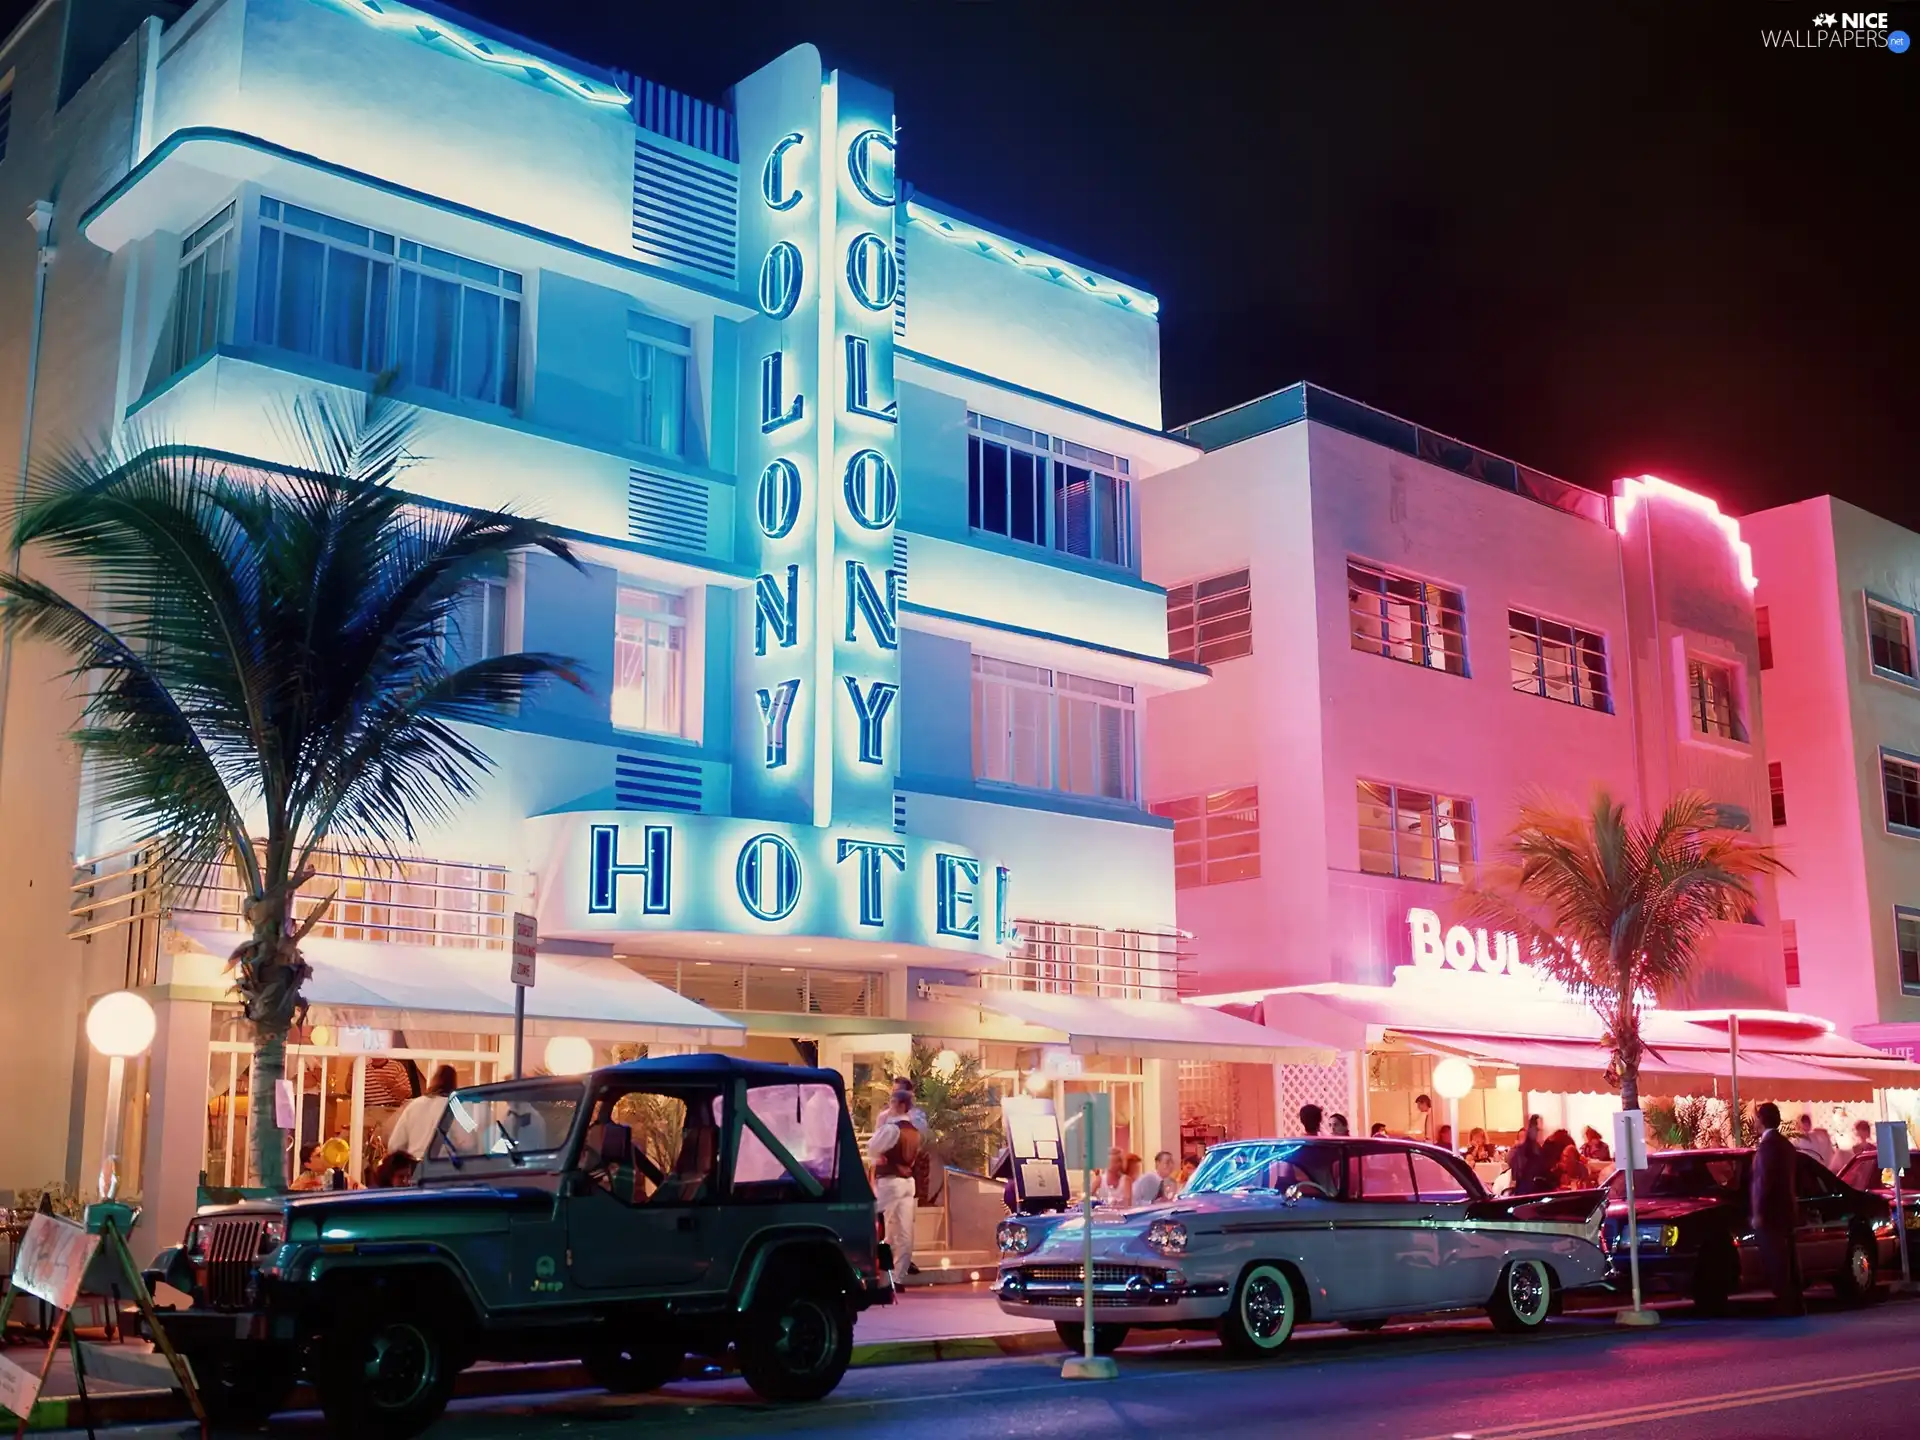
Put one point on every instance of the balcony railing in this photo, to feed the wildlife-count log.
(1061, 959)
(452, 904)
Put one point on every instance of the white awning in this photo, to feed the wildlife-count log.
(400, 987)
(1143, 1029)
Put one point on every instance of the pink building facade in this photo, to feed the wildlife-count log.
(1839, 591)
(1407, 636)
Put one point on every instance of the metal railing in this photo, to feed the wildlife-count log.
(451, 904)
(1062, 959)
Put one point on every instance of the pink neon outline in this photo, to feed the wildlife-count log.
(1630, 488)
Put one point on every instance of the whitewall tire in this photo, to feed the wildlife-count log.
(1266, 1306)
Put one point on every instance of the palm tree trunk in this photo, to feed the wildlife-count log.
(269, 1065)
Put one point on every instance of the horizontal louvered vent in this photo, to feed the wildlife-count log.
(900, 566)
(900, 291)
(899, 813)
(651, 782)
(683, 209)
(667, 510)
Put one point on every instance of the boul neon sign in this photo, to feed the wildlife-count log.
(1456, 947)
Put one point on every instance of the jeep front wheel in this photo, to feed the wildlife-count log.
(630, 1366)
(242, 1387)
(384, 1372)
(796, 1338)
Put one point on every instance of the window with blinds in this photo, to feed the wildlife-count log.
(1414, 834)
(1406, 619)
(1047, 730)
(1558, 661)
(1211, 620)
(1714, 699)
(1216, 837)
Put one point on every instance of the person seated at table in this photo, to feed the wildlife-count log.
(396, 1171)
(1379, 1129)
(1478, 1151)
(1860, 1166)
(1569, 1169)
(1593, 1147)
(1445, 1138)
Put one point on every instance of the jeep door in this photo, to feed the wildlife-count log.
(641, 1201)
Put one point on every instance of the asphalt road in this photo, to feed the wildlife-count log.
(1836, 1372)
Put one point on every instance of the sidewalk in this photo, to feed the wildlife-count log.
(925, 1323)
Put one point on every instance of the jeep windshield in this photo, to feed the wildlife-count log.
(516, 1126)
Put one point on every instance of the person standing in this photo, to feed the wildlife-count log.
(1776, 1212)
(1310, 1116)
(1337, 1125)
(419, 1119)
(1528, 1162)
(894, 1148)
(1422, 1118)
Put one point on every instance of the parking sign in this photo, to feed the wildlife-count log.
(526, 941)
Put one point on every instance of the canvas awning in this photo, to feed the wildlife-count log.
(1143, 1029)
(420, 987)
(1574, 1068)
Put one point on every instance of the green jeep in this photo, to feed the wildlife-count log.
(627, 1218)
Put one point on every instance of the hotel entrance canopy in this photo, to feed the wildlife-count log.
(1137, 1028)
(420, 987)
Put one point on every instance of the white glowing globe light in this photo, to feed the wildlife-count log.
(946, 1064)
(1453, 1077)
(120, 1024)
(1037, 1084)
(569, 1055)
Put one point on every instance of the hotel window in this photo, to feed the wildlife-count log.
(1900, 783)
(1906, 930)
(1790, 948)
(203, 291)
(1046, 730)
(353, 296)
(1714, 700)
(477, 629)
(1558, 661)
(649, 661)
(1216, 838)
(1043, 490)
(658, 352)
(1211, 620)
(1763, 633)
(1890, 640)
(1414, 834)
(1406, 619)
(1777, 790)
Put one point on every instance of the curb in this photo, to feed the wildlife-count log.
(128, 1407)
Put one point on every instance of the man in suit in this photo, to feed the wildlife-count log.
(1776, 1213)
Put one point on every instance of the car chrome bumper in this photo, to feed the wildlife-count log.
(1149, 1296)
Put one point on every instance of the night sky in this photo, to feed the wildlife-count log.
(1599, 239)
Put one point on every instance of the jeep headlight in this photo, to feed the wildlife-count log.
(1013, 1238)
(273, 1235)
(1169, 1237)
(196, 1242)
(1658, 1237)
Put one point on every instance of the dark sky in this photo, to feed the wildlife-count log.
(1599, 238)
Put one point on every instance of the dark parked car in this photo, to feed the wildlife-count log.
(628, 1217)
(1696, 1240)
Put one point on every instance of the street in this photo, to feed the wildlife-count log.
(1854, 1373)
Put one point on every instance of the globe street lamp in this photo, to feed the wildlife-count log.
(119, 1026)
(1453, 1078)
(569, 1055)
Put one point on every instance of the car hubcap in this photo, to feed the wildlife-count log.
(1265, 1307)
(400, 1367)
(1526, 1292)
(1860, 1266)
(805, 1339)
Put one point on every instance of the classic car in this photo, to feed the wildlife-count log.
(1691, 1212)
(628, 1217)
(1269, 1234)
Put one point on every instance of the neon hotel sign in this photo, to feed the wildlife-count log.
(816, 712)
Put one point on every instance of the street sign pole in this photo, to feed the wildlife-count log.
(1087, 1365)
(1890, 1140)
(526, 945)
(1630, 1151)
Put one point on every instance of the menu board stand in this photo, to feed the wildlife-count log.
(51, 1267)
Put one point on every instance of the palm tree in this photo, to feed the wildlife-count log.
(266, 659)
(1618, 910)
